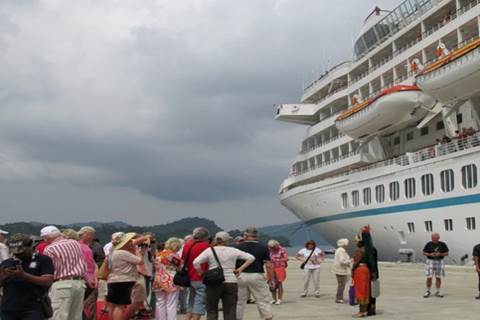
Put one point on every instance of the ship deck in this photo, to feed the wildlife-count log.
(402, 288)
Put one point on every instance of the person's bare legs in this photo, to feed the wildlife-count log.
(118, 313)
(280, 291)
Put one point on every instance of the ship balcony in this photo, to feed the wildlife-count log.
(332, 167)
(297, 113)
(332, 143)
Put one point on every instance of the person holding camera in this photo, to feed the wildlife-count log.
(311, 258)
(25, 280)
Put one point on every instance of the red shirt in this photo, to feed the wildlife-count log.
(41, 247)
(197, 249)
(67, 258)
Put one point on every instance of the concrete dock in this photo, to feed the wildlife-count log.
(402, 289)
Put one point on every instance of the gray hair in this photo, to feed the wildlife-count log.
(200, 233)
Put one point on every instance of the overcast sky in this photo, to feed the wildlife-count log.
(148, 111)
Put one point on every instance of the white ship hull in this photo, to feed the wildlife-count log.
(319, 205)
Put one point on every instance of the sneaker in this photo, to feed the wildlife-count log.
(427, 294)
(477, 297)
(317, 295)
(303, 295)
(273, 302)
(438, 294)
(339, 301)
(278, 302)
(250, 301)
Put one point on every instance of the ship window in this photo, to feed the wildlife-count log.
(428, 226)
(367, 196)
(396, 141)
(370, 38)
(394, 190)
(448, 224)
(380, 193)
(459, 118)
(344, 200)
(447, 182)
(427, 184)
(424, 131)
(469, 176)
(411, 227)
(410, 188)
(409, 135)
(440, 125)
(471, 224)
(355, 198)
(312, 163)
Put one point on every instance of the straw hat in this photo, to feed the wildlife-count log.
(127, 237)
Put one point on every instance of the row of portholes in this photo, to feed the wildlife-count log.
(447, 184)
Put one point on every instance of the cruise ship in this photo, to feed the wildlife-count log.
(392, 135)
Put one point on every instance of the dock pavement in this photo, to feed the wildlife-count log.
(402, 289)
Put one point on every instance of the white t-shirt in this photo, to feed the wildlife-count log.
(228, 257)
(315, 259)
(4, 255)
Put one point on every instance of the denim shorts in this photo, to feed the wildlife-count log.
(197, 298)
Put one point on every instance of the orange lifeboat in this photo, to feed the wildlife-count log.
(392, 109)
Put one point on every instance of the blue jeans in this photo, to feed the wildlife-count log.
(34, 313)
(197, 298)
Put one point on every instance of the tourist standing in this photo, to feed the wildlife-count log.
(25, 280)
(183, 294)
(364, 269)
(252, 280)
(87, 236)
(279, 259)
(476, 258)
(311, 258)
(342, 268)
(435, 251)
(167, 262)
(191, 250)
(225, 258)
(4, 254)
(123, 260)
(68, 289)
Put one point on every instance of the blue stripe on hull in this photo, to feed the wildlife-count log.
(449, 202)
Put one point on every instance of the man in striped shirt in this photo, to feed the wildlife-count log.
(68, 289)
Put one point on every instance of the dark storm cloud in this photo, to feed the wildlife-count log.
(170, 98)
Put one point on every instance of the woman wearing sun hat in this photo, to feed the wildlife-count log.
(123, 262)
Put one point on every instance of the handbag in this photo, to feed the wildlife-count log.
(375, 288)
(215, 276)
(181, 278)
(46, 304)
(351, 295)
(302, 266)
(104, 270)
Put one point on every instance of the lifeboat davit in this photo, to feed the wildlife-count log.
(453, 77)
(390, 110)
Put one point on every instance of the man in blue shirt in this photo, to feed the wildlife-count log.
(25, 280)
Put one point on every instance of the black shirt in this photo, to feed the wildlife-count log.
(440, 247)
(476, 251)
(19, 295)
(259, 251)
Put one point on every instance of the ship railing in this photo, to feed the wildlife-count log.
(423, 35)
(324, 164)
(323, 75)
(430, 152)
(323, 143)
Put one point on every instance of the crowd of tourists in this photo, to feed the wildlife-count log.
(68, 274)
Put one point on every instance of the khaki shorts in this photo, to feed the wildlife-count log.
(139, 291)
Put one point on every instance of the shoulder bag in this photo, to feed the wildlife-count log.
(104, 270)
(302, 266)
(181, 277)
(214, 277)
